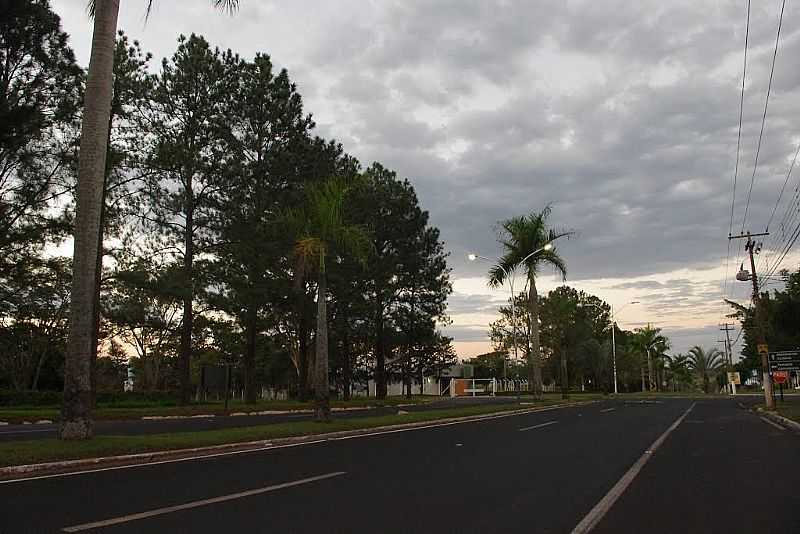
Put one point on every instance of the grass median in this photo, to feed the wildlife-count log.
(789, 408)
(137, 410)
(51, 450)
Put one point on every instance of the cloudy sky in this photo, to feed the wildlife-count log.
(623, 115)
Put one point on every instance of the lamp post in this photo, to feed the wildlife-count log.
(509, 276)
(613, 339)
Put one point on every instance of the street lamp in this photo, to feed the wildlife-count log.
(613, 338)
(473, 257)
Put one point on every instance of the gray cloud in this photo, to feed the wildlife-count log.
(622, 114)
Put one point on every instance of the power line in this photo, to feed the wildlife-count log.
(785, 250)
(764, 117)
(741, 113)
(738, 152)
(788, 174)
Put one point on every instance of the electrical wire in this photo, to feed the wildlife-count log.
(738, 153)
(764, 116)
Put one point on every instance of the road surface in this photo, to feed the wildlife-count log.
(716, 467)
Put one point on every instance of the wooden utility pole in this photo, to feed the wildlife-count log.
(728, 353)
(761, 332)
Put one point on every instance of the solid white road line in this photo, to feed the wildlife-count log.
(776, 425)
(607, 410)
(196, 504)
(537, 426)
(601, 508)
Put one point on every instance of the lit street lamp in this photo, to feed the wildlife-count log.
(613, 338)
(472, 257)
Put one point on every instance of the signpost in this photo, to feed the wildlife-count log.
(781, 363)
(734, 379)
(780, 377)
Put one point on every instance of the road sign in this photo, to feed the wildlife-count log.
(787, 360)
(734, 378)
(780, 377)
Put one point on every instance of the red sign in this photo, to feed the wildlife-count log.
(780, 377)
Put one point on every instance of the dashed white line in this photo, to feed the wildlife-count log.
(538, 426)
(607, 410)
(196, 504)
(268, 446)
(601, 508)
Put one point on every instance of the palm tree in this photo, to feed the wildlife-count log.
(524, 239)
(678, 369)
(650, 341)
(705, 364)
(76, 406)
(322, 231)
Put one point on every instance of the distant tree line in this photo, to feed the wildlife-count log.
(226, 223)
(575, 343)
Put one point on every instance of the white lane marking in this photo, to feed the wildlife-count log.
(537, 426)
(269, 446)
(776, 425)
(196, 504)
(607, 410)
(601, 508)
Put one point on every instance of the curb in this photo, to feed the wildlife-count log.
(303, 411)
(781, 420)
(67, 466)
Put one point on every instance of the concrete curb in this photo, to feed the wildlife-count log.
(233, 414)
(268, 412)
(66, 466)
(781, 420)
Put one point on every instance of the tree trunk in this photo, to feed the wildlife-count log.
(250, 357)
(184, 374)
(643, 385)
(302, 334)
(564, 376)
(322, 407)
(535, 356)
(39, 363)
(76, 410)
(380, 356)
(650, 372)
(407, 377)
(98, 278)
(348, 364)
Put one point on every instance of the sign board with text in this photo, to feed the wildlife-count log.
(786, 360)
(734, 378)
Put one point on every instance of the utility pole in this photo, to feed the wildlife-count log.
(728, 351)
(761, 333)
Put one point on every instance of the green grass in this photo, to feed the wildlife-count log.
(139, 409)
(50, 450)
(789, 408)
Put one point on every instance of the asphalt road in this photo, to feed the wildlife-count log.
(133, 427)
(719, 468)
